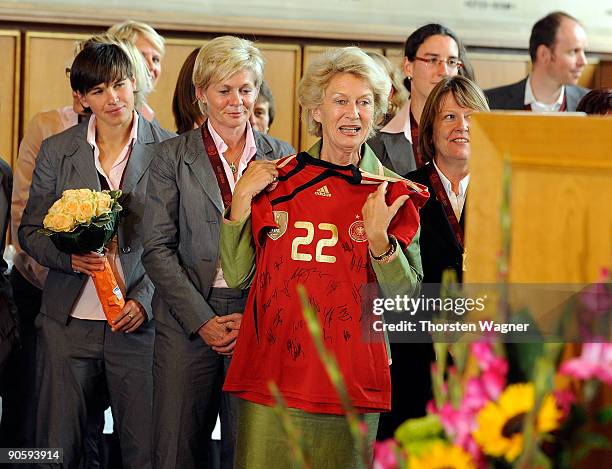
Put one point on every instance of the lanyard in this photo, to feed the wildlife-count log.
(215, 161)
(442, 196)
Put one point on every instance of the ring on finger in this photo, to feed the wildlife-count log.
(130, 315)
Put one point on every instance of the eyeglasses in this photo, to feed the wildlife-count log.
(451, 62)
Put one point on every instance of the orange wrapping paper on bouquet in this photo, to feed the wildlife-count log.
(109, 293)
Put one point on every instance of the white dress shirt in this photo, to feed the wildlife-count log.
(537, 106)
(457, 200)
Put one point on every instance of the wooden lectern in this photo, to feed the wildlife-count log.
(560, 169)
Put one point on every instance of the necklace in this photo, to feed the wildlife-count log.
(232, 164)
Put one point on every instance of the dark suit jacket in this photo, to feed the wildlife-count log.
(8, 316)
(66, 161)
(512, 97)
(183, 213)
(393, 151)
(439, 248)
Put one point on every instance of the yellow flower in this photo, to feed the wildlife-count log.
(58, 222)
(86, 210)
(57, 207)
(104, 202)
(500, 423)
(69, 206)
(442, 456)
(80, 194)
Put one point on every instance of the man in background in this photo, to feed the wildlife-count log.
(556, 47)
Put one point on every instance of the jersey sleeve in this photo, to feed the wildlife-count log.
(406, 222)
(262, 217)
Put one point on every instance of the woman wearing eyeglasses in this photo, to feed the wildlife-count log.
(431, 52)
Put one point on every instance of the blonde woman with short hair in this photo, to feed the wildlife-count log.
(197, 315)
(330, 220)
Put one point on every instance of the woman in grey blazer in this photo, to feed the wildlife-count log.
(197, 315)
(80, 359)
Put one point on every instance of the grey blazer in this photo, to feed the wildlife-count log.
(512, 97)
(394, 152)
(183, 213)
(65, 161)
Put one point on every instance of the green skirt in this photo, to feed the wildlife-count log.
(262, 442)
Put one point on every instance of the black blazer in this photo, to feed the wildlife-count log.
(512, 97)
(8, 312)
(439, 248)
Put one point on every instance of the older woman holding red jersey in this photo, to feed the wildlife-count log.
(332, 220)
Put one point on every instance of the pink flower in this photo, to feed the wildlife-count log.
(494, 380)
(385, 456)
(488, 361)
(475, 397)
(564, 398)
(460, 423)
(483, 352)
(594, 362)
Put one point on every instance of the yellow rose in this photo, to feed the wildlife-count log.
(85, 194)
(86, 210)
(69, 193)
(104, 203)
(70, 206)
(58, 222)
(57, 207)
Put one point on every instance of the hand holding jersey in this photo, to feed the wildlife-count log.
(377, 216)
(259, 175)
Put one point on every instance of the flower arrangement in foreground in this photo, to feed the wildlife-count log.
(82, 221)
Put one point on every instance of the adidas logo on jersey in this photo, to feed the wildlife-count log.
(323, 192)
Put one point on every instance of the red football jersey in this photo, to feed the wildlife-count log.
(309, 231)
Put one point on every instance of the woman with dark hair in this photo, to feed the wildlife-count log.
(596, 102)
(431, 53)
(187, 113)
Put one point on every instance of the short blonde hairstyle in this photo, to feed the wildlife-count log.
(467, 94)
(144, 82)
(311, 90)
(400, 93)
(130, 30)
(221, 58)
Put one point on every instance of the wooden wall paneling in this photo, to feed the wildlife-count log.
(589, 77)
(310, 53)
(282, 73)
(10, 81)
(46, 84)
(160, 99)
(492, 70)
(605, 74)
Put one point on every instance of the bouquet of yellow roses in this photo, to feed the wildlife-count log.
(83, 221)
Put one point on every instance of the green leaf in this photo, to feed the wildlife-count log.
(424, 428)
(604, 415)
